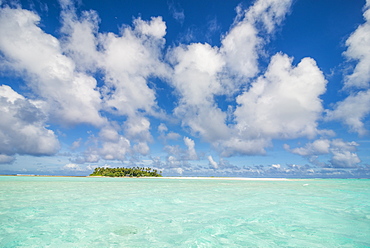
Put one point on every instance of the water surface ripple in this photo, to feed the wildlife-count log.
(122, 212)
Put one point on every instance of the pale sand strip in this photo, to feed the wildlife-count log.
(201, 178)
(225, 178)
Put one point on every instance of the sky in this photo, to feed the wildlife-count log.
(265, 88)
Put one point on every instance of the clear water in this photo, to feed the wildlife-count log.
(119, 212)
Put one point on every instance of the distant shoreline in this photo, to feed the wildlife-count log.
(187, 178)
(199, 178)
(229, 178)
(26, 175)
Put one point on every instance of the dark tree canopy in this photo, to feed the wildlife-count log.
(125, 172)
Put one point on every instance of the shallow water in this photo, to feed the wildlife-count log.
(121, 212)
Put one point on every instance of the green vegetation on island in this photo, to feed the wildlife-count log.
(126, 172)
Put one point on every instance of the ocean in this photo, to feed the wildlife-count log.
(143, 212)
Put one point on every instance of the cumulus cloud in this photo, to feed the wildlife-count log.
(191, 153)
(110, 145)
(202, 72)
(50, 74)
(128, 61)
(352, 111)
(212, 162)
(195, 72)
(180, 154)
(359, 50)
(195, 80)
(22, 127)
(356, 106)
(174, 164)
(141, 148)
(268, 12)
(318, 147)
(344, 159)
(72, 167)
(342, 153)
(239, 145)
(242, 45)
(240, 48)
(165, 135)
(81, 36)
(283, 103)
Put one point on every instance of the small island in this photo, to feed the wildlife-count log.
(125, 172)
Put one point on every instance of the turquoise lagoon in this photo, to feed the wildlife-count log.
(139, 212)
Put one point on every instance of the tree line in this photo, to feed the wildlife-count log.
(126, 172)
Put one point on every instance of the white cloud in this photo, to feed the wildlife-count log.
(72, 167)
(339, 144)
(128, 60)
(195, 79)
(242, 46)
(182, 155)
(114, 146)
(49, 73)
(155, 27)
(202, 72)
(212, 162)
(359, 50)
(242, 146)
(283, 103)
(165, 135)
(178, 170)
(138, 128)
(276, 166)
(109, 145)
(172, 163)
(81, 33)
(162, 128)
(142, 148)
(195, 72)
(22, 127)
(191, 153)
(342, 153)
(344, 159)
(76, 167)
(353, 110)
(268, 12)
(320, 146)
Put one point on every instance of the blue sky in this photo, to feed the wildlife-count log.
(266, 88)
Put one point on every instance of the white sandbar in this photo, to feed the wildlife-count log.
(226, 178)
